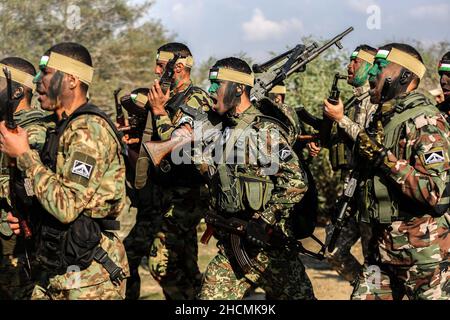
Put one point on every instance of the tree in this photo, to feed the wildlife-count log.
(123, 48)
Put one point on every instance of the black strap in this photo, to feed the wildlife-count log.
(116, 273)
(50, 149)
(107, 224)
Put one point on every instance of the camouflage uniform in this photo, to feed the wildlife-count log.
(148, 220)
(358, 116)
(277, 270)
(174, 251)
(15, 283)
(66, 195)
(411, 229)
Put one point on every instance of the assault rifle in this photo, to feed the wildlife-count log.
(277, 69)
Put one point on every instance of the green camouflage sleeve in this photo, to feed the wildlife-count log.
(289, 181)
(423, 178)
(82, 166)
(360, 121)
(165, 126)
(351, 128)
(36, 138)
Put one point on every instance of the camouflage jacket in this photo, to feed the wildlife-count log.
(97, 191)
(36, 122)
(419, 178)
(273, 171)
(197, 99)
(361, 115)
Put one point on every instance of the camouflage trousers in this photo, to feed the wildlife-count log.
(414, 261)
(137, 246)
(341, 259)
(281, 274)
(173, 263)
(147, 221)
(102, 291)
(417, 282)
(15, 283)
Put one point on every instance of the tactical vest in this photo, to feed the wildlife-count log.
(381, 200)
(61, 245)
(236, 191)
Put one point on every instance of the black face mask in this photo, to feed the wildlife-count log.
(392, 88)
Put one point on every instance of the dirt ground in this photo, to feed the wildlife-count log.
(328, 285)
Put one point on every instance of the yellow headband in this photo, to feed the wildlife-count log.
(68, 65)
(19, 76)
(166, 56)
(404, 59)
(278, 90)
(364, 55)
(232, 75)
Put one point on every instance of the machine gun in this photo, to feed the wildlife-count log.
(13, 172)
(205, 121)
(120, 117)
(343, 204)
(333, 98)
(277, 69)
(240, 229)
(167, 78)
(355, 179)
(136, 105)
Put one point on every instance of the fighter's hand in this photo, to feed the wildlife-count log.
(13, 223)
(128, 140)
(11, 143)
(157, 99)
(334, 112)
(184, 130)
(313, 148)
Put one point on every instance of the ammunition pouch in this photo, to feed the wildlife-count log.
(78, 243)
(340, 156)
(238, 192)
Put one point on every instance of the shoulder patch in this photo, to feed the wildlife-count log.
(285, 153)
(433, 157)
(81, 168)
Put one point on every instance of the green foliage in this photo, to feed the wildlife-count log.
(122, 48)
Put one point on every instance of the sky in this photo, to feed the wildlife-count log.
(222, 28)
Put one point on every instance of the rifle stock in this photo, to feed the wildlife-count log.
(158, 150)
